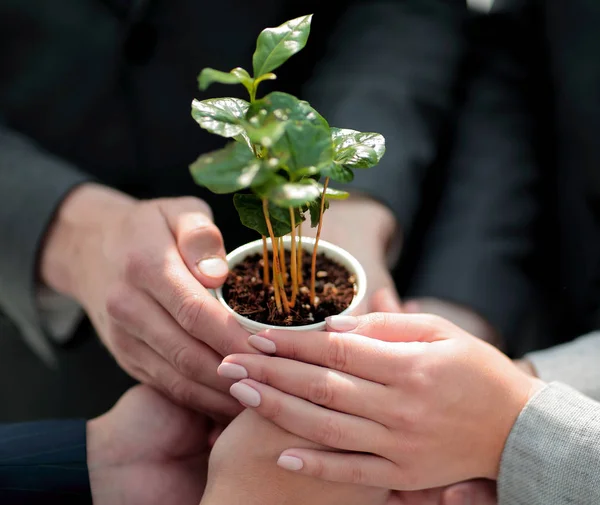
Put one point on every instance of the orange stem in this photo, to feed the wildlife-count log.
(300, 255)
(265, 262)
(275, 256)
(313, 267)
(293, 263)
(282, 260)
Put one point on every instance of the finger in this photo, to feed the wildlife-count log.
(143, 318)
(331, 389)
(363, 469)
(184, 392)
(159, 270)
(385, 300)
(360, 356)
(199, 240)
(480, 492)
(309, 421)
(393, 327)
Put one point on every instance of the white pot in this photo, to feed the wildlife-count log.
(331, 251)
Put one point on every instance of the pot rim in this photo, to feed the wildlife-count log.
(331, 250)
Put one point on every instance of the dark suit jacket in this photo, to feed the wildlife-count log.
(101, 89)
(44, 463)
(518, 216)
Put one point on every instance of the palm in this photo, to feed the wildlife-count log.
(149, 452)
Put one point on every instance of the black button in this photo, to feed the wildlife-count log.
(140, 44)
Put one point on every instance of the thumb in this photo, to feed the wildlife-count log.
(385, 300)
(199, 241)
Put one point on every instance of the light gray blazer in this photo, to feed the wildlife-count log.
(552, 456)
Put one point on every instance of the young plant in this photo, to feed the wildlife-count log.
(281, 149)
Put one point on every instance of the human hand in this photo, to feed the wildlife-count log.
(242, 471)
(432, 405)
(367, 230)
(141, 270)
(147, 451)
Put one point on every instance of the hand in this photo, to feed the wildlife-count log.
(141, 270)
(432, 404)
(242, 471)
(374, 240)
(476, 492)
(147, 451)
(461, 316)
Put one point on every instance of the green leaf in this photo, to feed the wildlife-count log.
(315, 210)
(336, 194)
(230, 169)
(337, 172)
(294, 194)
(275, 45)
(265, 134)
(306, 145)
(250, 209)
(210, 75)
(265, 77)
(220, 115)
(354, 149)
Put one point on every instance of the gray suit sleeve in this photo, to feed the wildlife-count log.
(391, 68)
(576, 363)
(552, 456)
(32, 185)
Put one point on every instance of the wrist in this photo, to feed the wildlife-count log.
(74, 232)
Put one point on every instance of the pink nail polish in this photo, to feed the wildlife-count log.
(341, 323)
(232, 371)
(262, 344)
(290, 463)
(245, 394)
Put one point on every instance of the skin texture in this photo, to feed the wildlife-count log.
(431, 403)
(147, 451)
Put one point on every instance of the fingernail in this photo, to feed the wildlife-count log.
(342, 323)
(213, 267)
(290, 463)
(245, 394)
(262, 344)
(232, 371)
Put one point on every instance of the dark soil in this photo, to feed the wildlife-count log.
(245, 293)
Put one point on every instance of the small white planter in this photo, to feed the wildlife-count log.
(331, 251)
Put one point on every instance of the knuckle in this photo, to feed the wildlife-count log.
(119, 305)
(320, 392)
(137, 264)
(184, 361)
(272, 410)
(356, 474)
(337, 353)
(328, 432)
(207, 234)
(190, 313)
(317, 468)
(179, 390)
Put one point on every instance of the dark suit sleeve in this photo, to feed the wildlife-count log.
(390, 67)
(482, 238)
(32, 185)
(44, 462)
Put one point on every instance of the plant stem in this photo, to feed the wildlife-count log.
(282, 260)
(281, 282)
(265, 262)
(275, 256)
(293, 263)
(313, 267)
(300, 255)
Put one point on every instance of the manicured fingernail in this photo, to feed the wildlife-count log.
(262, 344)
(245, 394)
(290, 463)
(213, 267)
(341, 323)
(232, 371)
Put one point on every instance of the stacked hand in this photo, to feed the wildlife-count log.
(429, 404)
